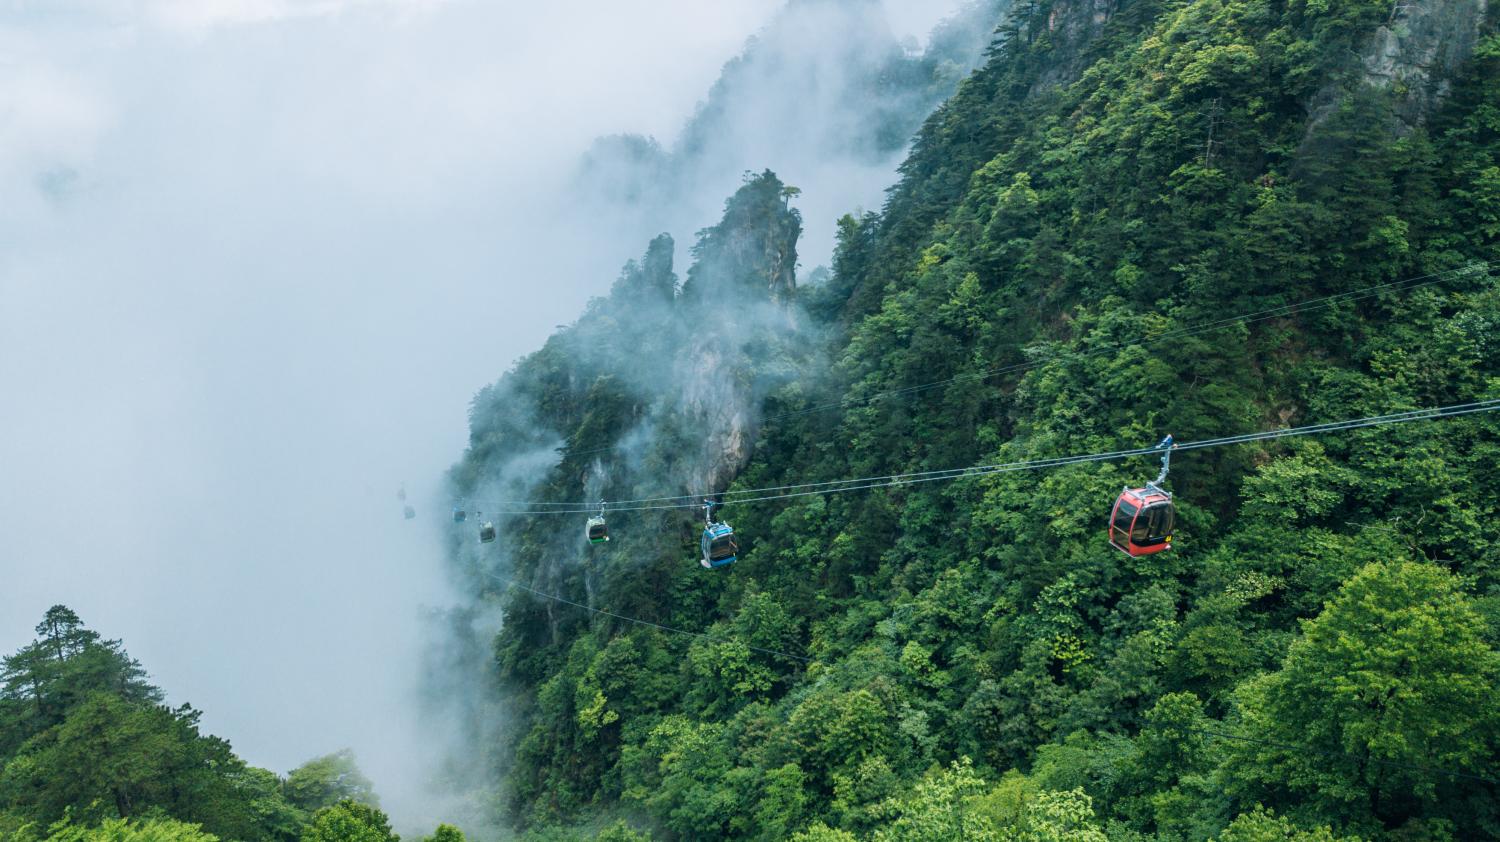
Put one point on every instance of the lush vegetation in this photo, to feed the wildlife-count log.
(88, 753)
(1317, 659)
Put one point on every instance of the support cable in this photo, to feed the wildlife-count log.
(784, 492)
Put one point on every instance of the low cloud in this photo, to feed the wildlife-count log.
(255, 259)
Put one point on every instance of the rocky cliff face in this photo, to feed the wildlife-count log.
(652, 373)
(1412, 55)
(737, 303)
(1071, 25)
(751, 255)
(652, 279)
(1417, 50)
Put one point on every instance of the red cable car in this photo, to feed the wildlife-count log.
(1141, 521)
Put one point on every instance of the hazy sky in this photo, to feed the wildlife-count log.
(255, 257)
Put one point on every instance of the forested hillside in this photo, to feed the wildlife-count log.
(89, 753)
(1201, 218)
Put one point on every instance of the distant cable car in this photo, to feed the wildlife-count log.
(459, 515)
(719, 547)
(486, 532)
(596, 530)
(401, 493)
(1142, 519)
(409, 512)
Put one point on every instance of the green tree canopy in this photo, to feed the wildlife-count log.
(1261, 825)
(350, 821)
(445, 833)
(130, 830)
(1389, 690)
(327, 780)
(85, 739)
(113, 758)
(44, 681)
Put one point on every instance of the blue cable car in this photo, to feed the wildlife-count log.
(408, 512)
(719, 547)
(459, 515)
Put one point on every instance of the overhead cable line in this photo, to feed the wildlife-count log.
(1400, 286)
(889, 480)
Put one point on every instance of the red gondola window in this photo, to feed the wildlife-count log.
(1152, 526)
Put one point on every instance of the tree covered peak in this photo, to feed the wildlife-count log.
(1060, 270)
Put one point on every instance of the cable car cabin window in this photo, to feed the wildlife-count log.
(1152, 526)
(1124, 513)
(721, 548)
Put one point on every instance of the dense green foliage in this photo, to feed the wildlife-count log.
(121, 830)
(349, 821)
(1317, 659)
(325, 781)
(90, 754)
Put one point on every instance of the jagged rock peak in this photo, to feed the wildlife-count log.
(751, 255)
(652, 278)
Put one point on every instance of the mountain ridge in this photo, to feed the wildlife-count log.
(984, 665)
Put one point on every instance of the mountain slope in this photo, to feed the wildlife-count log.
(1317, 651)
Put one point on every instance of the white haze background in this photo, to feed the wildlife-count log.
(255, 258)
